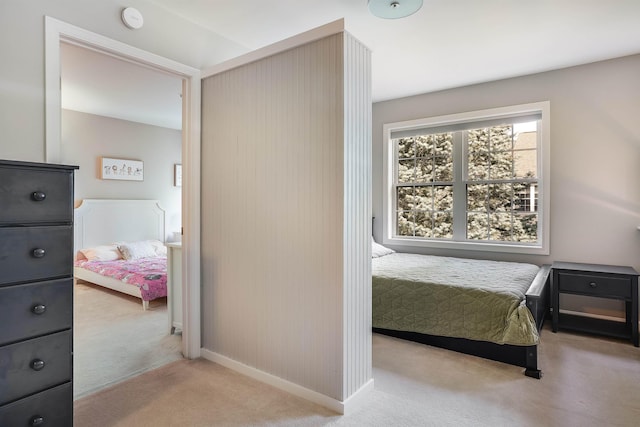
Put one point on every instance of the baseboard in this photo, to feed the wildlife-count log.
(341, 407)
(354, 401)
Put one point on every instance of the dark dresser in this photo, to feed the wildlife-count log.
(36, 294)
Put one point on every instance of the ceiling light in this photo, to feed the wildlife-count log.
(393, 9)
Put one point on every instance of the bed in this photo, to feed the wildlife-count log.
(489, 309)
(109, 230)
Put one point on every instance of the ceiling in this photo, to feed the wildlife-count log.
(96, 83)
(446, 44)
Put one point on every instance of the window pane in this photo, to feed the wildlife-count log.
(477, 226)
(443, 198)
(423, 198)
(406, 148)
(526, 164)
(526, 136)
(501, 227)
(443, 144)
(443, 169)
(527, 227)
(424, 146)
(478, 164)
(501, 165)
(500, 197)
(405, 198)
(424, 170)
(477, 195)
(406, 170)
(405, 224)
(501, 138)
(525, 196)
(478, 139)
(443, 225)
(423, 224)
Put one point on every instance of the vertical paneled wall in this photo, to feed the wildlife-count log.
(357, 215)
(283, 216)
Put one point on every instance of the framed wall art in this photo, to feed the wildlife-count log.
(122, 169)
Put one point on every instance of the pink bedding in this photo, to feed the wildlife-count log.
(148, 274)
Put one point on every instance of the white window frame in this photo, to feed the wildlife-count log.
(544, 165)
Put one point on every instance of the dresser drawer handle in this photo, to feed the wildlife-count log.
(37, 420)
(38, 196)
(39, 309)
(593, 284)
(38, 253)
(37, 364)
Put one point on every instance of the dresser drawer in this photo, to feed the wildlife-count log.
(35, 309)
(35, 253)
(33, 365)
(591, 284)
(53, 406)
(29, 196)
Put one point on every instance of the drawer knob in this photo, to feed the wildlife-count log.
(39, 309)
(37, 420)
(593, 284)
(38, 196)
(38, 252)
(37, 364)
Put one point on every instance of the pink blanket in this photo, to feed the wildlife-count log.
(148, 274)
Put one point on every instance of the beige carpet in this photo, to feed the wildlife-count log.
(588, 381)
(114, 339)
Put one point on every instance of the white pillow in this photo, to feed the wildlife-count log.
(102, 253)
(377, 250)
(159, 247)
(135, 250)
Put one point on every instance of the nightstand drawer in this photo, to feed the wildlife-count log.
(591, 284)
(29, 196)
(51, 408)
(35, 309)
(30, 366)
(35, 253)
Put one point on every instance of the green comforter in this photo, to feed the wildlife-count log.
(454, 297)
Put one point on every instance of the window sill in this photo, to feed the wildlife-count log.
(469, 246)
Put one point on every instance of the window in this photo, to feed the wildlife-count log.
(474, 180)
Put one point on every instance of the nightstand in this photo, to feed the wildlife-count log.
(600, 281)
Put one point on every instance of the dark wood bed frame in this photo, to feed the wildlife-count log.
(538, 297)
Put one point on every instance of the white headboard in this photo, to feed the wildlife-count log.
(105, 221)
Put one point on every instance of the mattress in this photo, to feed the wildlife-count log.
(454, 297)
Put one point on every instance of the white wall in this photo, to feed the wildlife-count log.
(285, 216)
(22, 51)
(595, 159)
(87, 137)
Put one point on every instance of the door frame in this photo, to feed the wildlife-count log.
(56, 32)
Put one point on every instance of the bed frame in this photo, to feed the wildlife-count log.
(105, 221)
(537, 300)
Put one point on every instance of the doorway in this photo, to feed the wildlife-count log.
(118, 109)
(57, 32)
